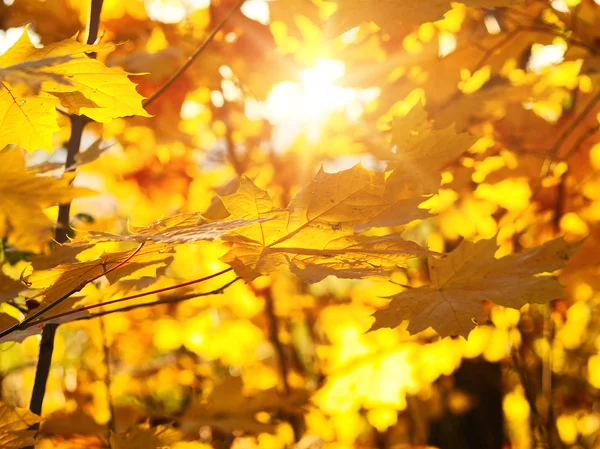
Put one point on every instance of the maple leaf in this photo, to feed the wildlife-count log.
(29, 75)
(69, 277)
(471, 274)
(314, 235)
(178, 229)
(390, 14)
(9, 288)
(229, 409)
(59, 71)
(7, 321)
(420, 155)
(145, 437)
(23, 196)
(14, 422)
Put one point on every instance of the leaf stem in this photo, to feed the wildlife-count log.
(148, 101)
(127, 298)
(27, 321)
(171, 300)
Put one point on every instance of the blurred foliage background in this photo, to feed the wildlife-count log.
(277, 363)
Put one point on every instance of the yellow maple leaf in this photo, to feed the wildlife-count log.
(229, 407)
(471, 274)
(178, 229)
(389, 14)
(14, 422)
(421, 153)
(70, 277)
(145, 437)
(314, 236)
(23, 196)
(35, 78)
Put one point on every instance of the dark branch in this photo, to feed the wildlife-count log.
(62, 230)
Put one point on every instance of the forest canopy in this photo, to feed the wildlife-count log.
(299, 224)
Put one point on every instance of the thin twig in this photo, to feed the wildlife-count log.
(148, 101)
(273, 324)
(547, 334)
(229, 143)
(107, 381)
(547, 164)
(27, 322)
(127, 298)
(559, 205)
(530, 396)
(580, 140)
(490, 52)
(62, 231)
(566, 133)
(171, 300)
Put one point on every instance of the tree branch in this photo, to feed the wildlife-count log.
(171, 300)
(148, 101)
(541, 437)
(27, 322)
(126, 298)
(62, 230)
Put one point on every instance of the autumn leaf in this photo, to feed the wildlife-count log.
(30, 75)
(93, 152)
(145, 437)
(58, 71)
(14, 422)
(178, 229)
(9, 288)
(23, 196)
(421, 153)
(471, 274)
(390, 14)
(314, 235)
(229, 408)
(70, 277)
(8, 321)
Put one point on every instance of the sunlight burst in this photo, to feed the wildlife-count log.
(305, 106)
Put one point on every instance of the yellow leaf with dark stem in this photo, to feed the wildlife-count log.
(8, 321)
(471, 274)
(23, 196)
(65, 278)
